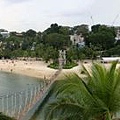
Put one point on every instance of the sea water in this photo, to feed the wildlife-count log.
(12, 83)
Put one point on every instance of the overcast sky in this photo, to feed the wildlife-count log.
(21, 15)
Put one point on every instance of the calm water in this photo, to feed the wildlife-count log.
(14, 82)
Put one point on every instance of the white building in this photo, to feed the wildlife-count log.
(5, 34)
(110, 59)
(77, 40)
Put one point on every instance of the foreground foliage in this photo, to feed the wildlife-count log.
(4, 117)
(68, 65)
(95, 97)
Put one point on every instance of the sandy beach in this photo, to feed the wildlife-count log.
(37, 69)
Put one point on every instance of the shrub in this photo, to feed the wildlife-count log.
(68, 65)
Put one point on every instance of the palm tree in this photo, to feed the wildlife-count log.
(94, 97)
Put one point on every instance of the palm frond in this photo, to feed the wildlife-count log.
(62, 110)
(97, 98)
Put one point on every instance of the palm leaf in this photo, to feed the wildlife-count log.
(97, 98)
(60, 110)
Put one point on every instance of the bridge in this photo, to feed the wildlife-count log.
(18, 104)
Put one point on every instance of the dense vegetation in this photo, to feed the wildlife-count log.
(68, 65)
(95, 97)
(100, 41)
(100, 95)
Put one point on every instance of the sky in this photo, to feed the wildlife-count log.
(22, 15)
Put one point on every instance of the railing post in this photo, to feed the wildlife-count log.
(6, 111)
(12, 105)
(3, 105)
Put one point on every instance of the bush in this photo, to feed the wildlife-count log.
(68, 65)
(54, 65)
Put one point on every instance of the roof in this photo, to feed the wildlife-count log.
(111, 58)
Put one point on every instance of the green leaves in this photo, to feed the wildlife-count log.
(103, 36)
(62, 110)
(57, 40)
(98, 98)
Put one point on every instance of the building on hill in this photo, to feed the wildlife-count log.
(4, 33)
(14, 33)
(77, 40)
(110, 59)
(19, 34)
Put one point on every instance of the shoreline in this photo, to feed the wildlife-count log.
(39, 69)
(36, 69)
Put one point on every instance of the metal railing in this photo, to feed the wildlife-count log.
(17, 104)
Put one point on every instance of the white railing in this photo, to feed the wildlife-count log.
(17, 105)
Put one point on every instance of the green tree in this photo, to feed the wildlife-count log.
(40, 49)
(81, 29)
(64, 30)
(99, 28)
(56, 40)
(102, 35)
(1, 37)
(72, 54)
(13, 42)
(54, 28)
(30, 33)
(115, 51)
(50, 53)
(94, 97)
(95, 28)
(104, 39)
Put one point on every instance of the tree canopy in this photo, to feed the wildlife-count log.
(56, 40)
(103, 36)
(56, 37)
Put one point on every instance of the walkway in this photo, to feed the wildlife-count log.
(18, 104)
